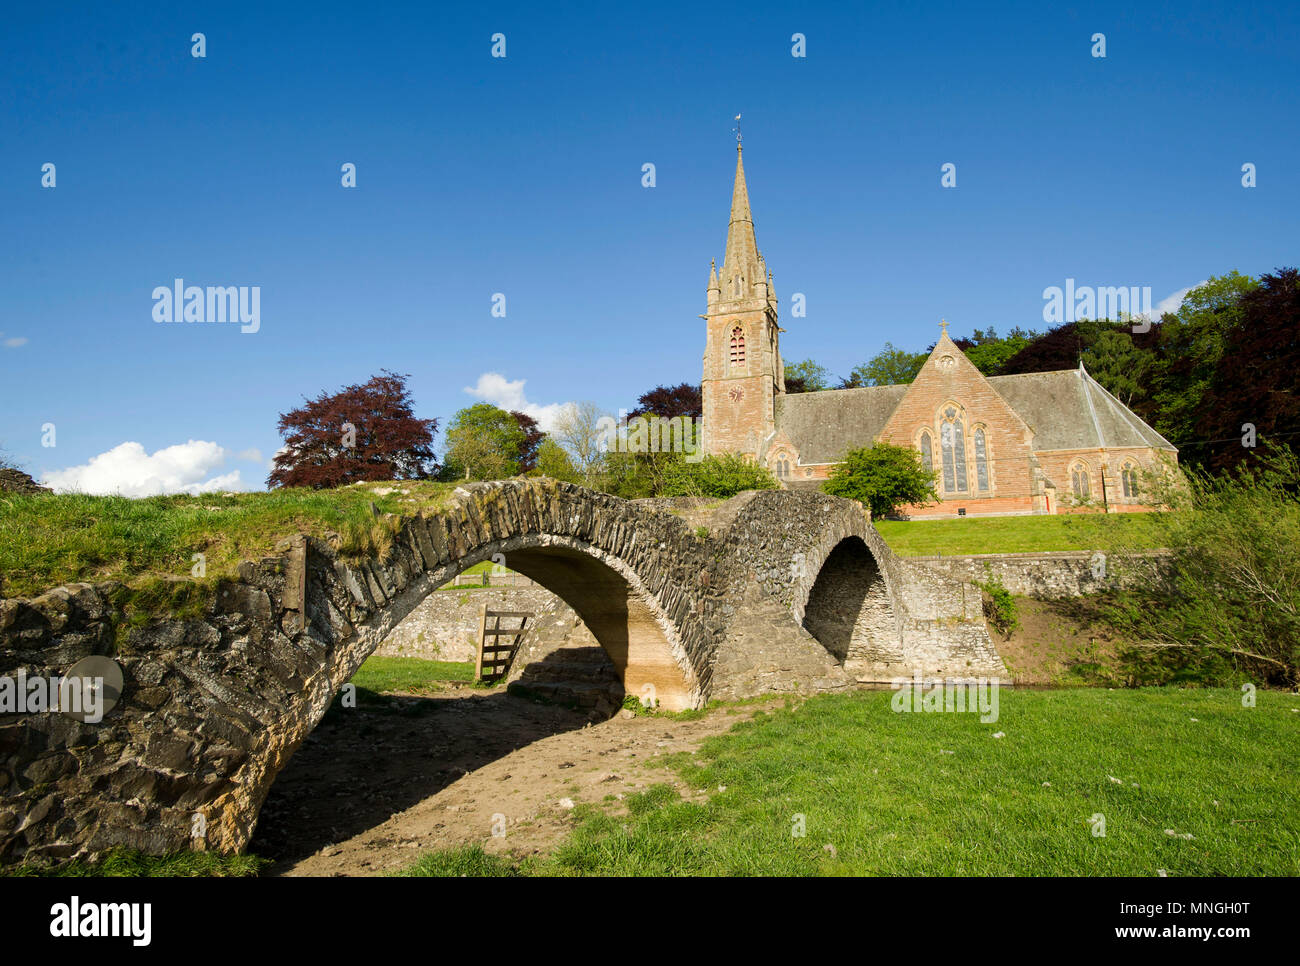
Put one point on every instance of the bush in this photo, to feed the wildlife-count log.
(883, 477)
(717, 476)
(999, 605)
(1226, 610)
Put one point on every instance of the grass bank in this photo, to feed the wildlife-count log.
(1186, 782)
(47, 540)
(967, 535)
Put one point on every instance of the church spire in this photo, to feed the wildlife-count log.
(740, 265)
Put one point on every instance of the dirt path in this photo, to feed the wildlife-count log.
(374, 787)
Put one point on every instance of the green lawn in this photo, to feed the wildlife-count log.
(918, 538)
(128, 863)
(409, 675)
(884, 793)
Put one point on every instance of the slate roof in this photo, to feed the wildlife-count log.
(822, 425)
(1067, 409)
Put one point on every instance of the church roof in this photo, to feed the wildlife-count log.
(822, 425)
(1067, 409)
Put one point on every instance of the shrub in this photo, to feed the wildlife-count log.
(999, 605)
(883, 477)
(1226, 608)
(716, 476)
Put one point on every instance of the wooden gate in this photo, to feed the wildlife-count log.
(496, 644)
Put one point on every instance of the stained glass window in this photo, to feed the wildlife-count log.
(953, 442)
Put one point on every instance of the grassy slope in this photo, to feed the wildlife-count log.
(49, 540)
(913, 538)
(409, 675)
(937, 794)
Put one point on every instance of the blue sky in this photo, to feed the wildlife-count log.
(478, 175)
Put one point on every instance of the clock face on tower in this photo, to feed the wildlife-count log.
(736, 394)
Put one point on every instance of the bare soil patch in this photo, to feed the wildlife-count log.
(1059, 642)
(375, 786)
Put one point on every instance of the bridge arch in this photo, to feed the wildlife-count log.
(850, 610)
(641, 639)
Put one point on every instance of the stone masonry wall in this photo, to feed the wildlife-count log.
(1049, 575)
(444, 627)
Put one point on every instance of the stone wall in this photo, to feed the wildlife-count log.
(445, 625)
(1046, 575)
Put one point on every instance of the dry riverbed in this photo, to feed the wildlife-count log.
(373, 787)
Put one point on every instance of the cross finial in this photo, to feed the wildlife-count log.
(943, 324)
(737, 129)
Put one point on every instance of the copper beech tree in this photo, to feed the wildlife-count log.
(363, 432)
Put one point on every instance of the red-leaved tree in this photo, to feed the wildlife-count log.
(365, 432)
(670, 401)
(533, 437)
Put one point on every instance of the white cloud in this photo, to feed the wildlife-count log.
(1170, 303)
(499, 391)
(253, 455)
(127, 469)
(13, 342)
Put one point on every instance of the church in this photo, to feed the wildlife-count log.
(1039, 443)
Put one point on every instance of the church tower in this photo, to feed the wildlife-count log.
(743, 373)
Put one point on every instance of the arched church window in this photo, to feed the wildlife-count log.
(1079, 482)
(927, 452)
(953, 441)
(737, 346)
(1130, 480)
(981, 462)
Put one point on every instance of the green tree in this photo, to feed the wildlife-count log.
(806, 376)
(483, 443)
(891, 366)
(554, 462)
(580, 430)
(1190, 347)
(1120, 365)
(989, 353)
(716, 476)
(883, 477)
(637, 465)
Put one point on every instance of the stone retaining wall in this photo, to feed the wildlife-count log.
(444, 626)
(1050, 574)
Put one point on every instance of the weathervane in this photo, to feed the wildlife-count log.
(737, 129)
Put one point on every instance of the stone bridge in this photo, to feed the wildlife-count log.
(692, 600)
